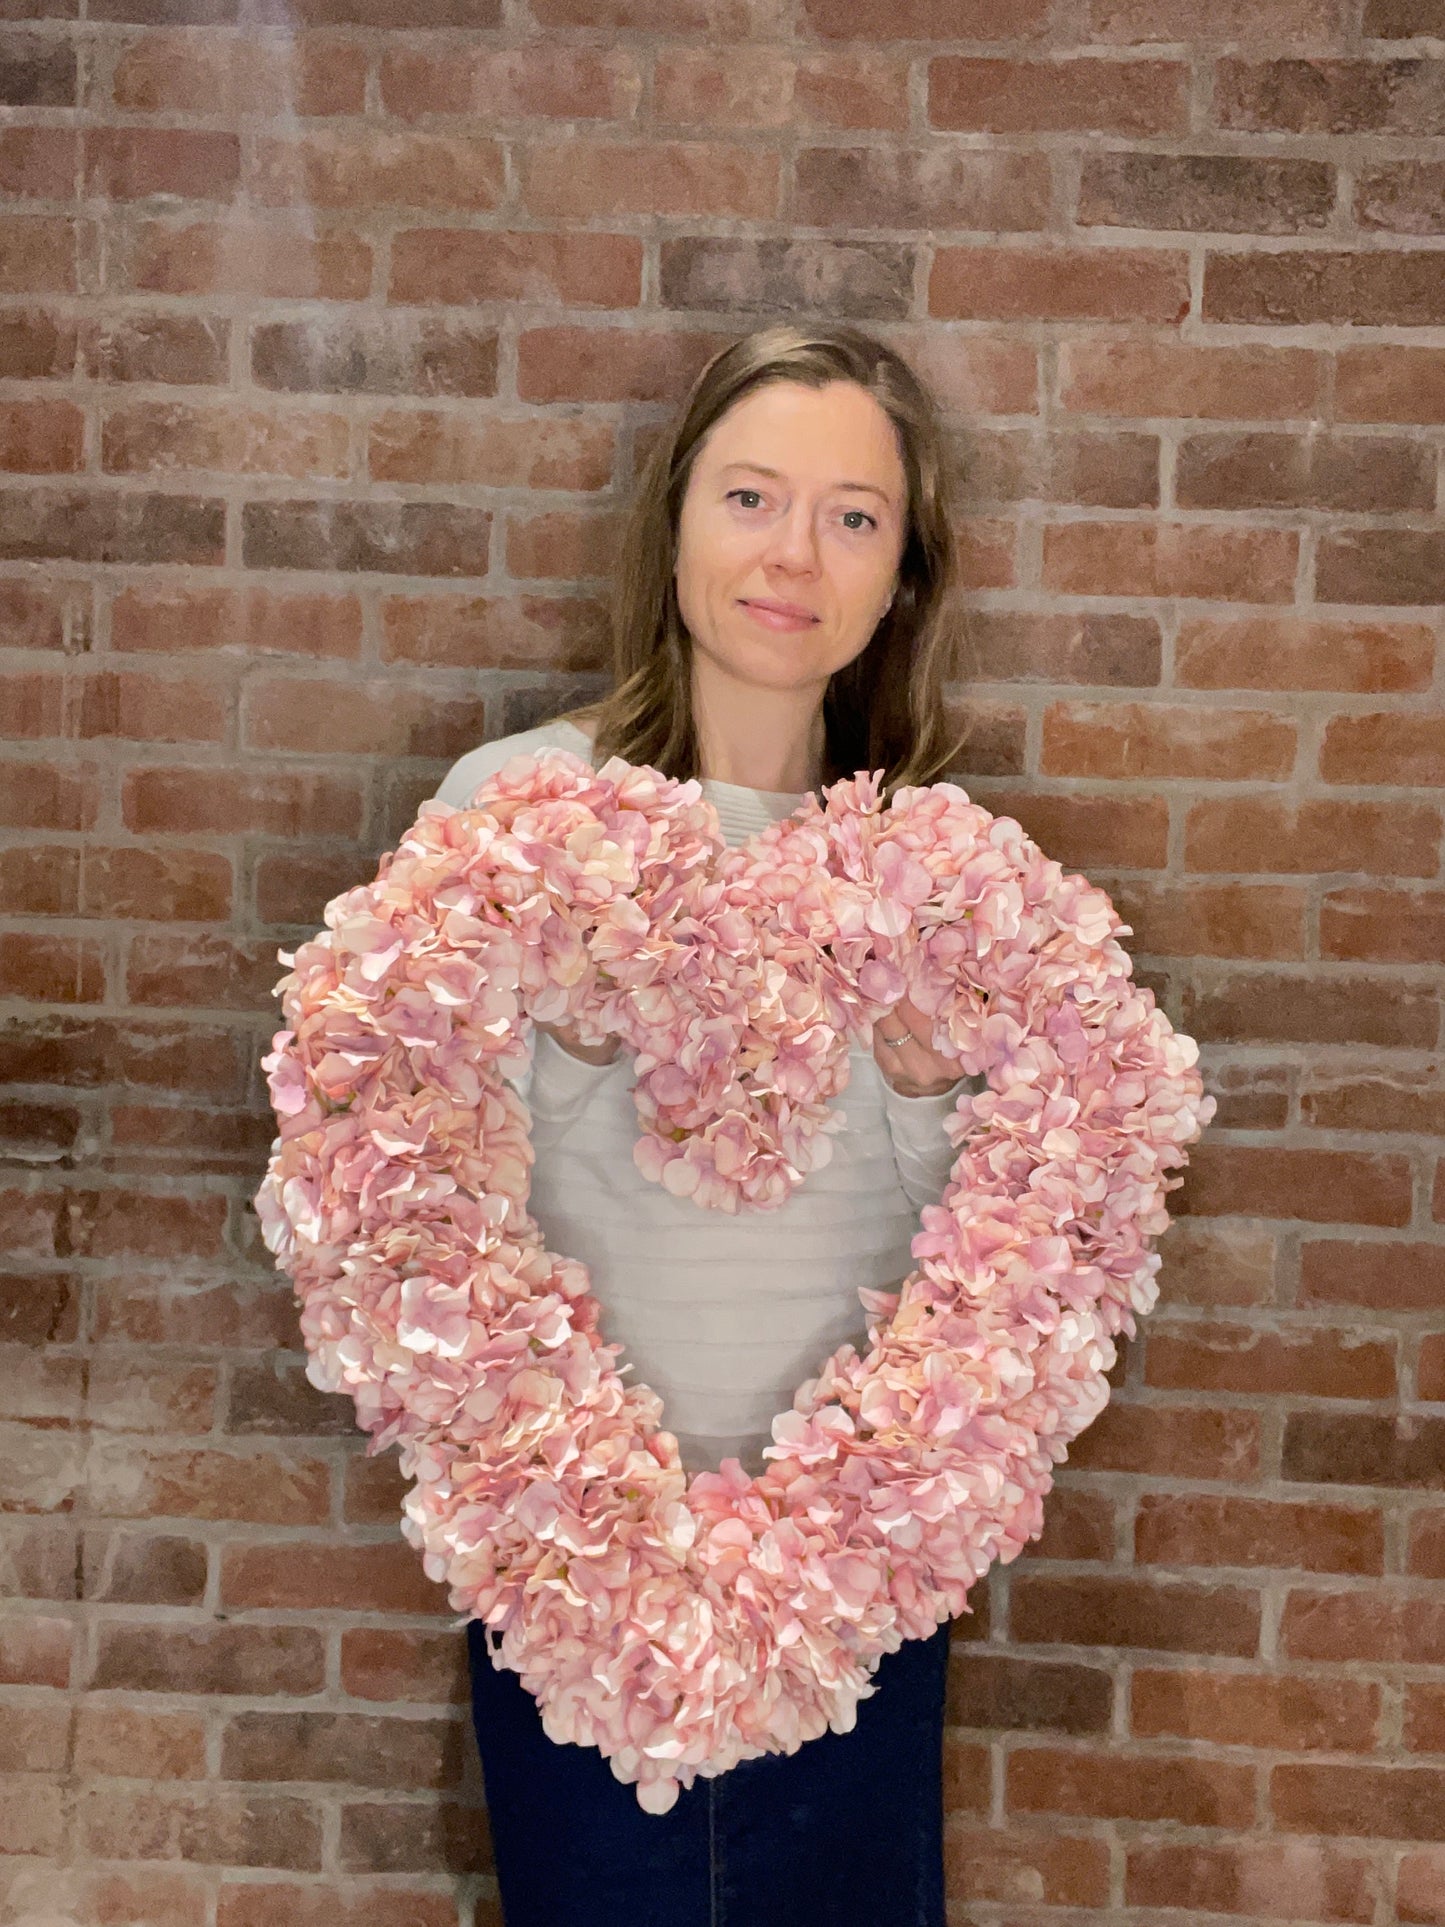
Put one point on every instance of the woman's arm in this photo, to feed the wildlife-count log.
(923, 1155)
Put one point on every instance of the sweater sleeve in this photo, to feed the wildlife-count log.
(922, 1152)
(557, 1087)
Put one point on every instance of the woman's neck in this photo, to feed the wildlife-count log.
(776, 746)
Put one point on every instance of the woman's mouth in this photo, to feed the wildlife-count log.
(782, 617)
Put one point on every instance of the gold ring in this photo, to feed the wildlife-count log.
(894, 1042)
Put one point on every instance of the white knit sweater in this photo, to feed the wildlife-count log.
(723, 1315)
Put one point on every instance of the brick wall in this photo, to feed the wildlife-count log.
(326, 348)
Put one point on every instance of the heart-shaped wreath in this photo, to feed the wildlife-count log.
(682, 1625)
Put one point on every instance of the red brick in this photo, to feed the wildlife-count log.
(900, 189)
(37, 254)
(1420, 1892)
(219, 799)
(536, 79)
(39, 1553)
(1058, 284)
(426, 445)
(156, 885)
(1427, 1545)
(38, 163)
(1170, 559)
(1211, 920)
(1373, 1627)
(464, 266)
(145, 1311)
(50, 969)
(33, 1817)
(45, 615)
(503, 632)
(157, 1137)
(381, 355)
(107, 526)
(355, 1748)
(170, 348)
(1265, 833)
(202, 970)
(1424, 1723)
(1381, 289)
(1058, 96)
(133, 1743)
(1077, 1525)
(1364, 1448)
(1402, 197)
(1158, 1613)
(147, 708)
(292, 889)
(995, 1690)
(1430, 1373)
(394, 538)
(37, 795)
(584, 178)
(142, 1568)
(1110, 1784)
(257, 1488)
(37, 1308)
(362, 718)
(386, 1578)
(1205, 193)
(1171, 1440)
(169, 437)
(866, 280)
(1004, 646)
(420, 1668)
(1294, 652)
(1087, 831)
(1107, 375)
(562, 545)
(126, 1395)
(1390, 384)
(1269, 1711)
(231, 74)
(1123, 740)
(256, 621)
(1285, 1181)
(35, 1651)
(916, 19)
(1305, 1361)
(1379, 1802)
(1209, 1529)
(1232, 21)
(1383, 926)
(239, 255)
(1024, 1864)
(37, 73)
(253, 1661)
(41, 437)
(1260, 469)
(1300, 96)
(347, 169)
(1385, 1275)
(1268, 1879)
(1406, 751)
(214, 1825)
(134, 163)
(36, 346)
(609, 364)
(35, 1738)
(244, 1905)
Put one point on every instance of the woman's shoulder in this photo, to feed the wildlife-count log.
(462, 779)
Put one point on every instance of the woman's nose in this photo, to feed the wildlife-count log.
(794, 539)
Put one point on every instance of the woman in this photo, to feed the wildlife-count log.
(783, 616)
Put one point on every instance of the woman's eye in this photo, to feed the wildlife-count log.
(866, 517)
(745, 491)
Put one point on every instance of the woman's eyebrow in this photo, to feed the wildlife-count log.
(756, 468)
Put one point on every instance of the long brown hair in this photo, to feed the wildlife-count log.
(884, 710)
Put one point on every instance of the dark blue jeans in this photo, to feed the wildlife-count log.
(848, 1828)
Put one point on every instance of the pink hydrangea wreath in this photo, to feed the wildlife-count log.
(681, 1625)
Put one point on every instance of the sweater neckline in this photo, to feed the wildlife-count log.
(776, 802)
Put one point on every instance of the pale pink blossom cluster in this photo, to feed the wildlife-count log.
(683, 1625)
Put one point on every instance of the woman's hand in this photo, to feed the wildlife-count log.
(566, 1036)
(910, 1064)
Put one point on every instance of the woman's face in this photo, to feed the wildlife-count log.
(798, 499)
